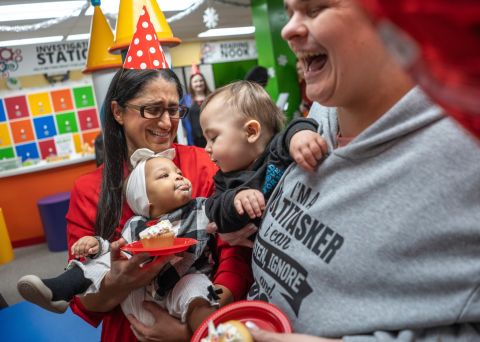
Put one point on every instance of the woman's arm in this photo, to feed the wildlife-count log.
(82, 209)
(80, 222)
(125, 275)
(166, 328)
(234, 270)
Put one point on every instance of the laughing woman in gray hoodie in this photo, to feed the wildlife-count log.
(381, 242)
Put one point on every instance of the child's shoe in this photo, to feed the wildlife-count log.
(33, 289)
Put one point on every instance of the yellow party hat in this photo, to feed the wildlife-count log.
(128, 14)
(101, 38)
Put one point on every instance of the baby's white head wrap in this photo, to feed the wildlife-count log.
(136, 191)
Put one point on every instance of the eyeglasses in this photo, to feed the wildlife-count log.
(156, 111)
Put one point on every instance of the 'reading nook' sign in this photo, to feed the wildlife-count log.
(43, 58)
(229, 51)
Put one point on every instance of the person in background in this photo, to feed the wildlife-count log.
(184, 131)
(258, 74)
(381, 242)
(198, 90)
(142, 111)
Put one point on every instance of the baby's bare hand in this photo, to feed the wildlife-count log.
(307, 148)
(87, 245)
(251, 202)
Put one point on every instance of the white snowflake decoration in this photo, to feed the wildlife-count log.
(210, 18)
(271, 72)
(282, 60)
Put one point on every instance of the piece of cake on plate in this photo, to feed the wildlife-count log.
(159, 235)
(231, 331)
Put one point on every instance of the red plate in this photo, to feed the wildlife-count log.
(266, 316)
(179, 245)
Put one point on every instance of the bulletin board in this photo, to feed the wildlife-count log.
(29, 122)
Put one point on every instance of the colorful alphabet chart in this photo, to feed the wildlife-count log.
(30, 122)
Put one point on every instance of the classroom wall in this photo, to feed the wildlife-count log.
(38, 81)
(20, 195)
(186, 54)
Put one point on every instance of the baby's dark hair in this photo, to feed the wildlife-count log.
(253, 102)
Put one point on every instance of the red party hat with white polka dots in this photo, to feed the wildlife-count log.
(145, 51)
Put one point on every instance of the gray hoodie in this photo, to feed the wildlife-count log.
(382, 242)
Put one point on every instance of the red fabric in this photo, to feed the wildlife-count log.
(234, 262)
(145, 51)
(447, 36)
(234, 269)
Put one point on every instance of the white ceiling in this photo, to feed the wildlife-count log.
(186, 29)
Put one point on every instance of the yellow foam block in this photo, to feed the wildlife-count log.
(6, 251)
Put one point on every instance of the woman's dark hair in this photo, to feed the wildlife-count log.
(125, 85)
(190, 89)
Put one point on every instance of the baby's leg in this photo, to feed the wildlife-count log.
(190, 299)
(133, 305)
(95, 270)
(53, 294)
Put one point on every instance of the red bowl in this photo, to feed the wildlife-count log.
(264, 315)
